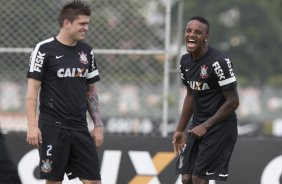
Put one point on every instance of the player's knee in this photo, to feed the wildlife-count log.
(198, 180)
(91, 182)
(186, 179)
(53, 182)
(97, 182)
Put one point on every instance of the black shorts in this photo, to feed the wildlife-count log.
(209, 157)
(8, 170)
(67, 151)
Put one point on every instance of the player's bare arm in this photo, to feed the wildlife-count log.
(187, 111)
(33, 132)
(228, 107)
(94, 112)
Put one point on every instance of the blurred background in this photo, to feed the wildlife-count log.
(138, 45)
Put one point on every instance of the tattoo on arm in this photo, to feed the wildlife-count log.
(93, 106)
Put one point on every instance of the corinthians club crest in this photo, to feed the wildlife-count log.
(83, 57)
(46, 166)
(204, 71)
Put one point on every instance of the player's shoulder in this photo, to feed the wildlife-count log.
(43, 47)
(217, 55)
(185, 58)
(46, 42)
(215, 52)
(84, 45)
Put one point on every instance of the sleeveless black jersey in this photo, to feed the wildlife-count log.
(207, 77)
(64, 72)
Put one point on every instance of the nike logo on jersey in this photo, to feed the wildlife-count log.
(58, 57)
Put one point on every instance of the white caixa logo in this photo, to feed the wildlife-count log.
(147, 167)
(72, 72)
(272, 172)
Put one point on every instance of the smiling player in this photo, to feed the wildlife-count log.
(211, 101)
(64, 69)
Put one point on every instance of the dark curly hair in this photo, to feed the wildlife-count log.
(202, 20)
(72, 10)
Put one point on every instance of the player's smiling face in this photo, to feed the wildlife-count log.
(79, 27)
(195, 36)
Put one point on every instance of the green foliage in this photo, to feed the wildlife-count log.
(243, 81)
(275, 80)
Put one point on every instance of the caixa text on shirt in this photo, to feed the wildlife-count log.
(198, 85)
(72, 72)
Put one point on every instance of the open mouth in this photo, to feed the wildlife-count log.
(83, 33)
(191, 42)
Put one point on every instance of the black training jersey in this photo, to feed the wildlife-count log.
(64, 72)
(207, 77)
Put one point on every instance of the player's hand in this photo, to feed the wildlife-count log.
(34, 137)
(198, 131)
(178, 142)
(98, 136)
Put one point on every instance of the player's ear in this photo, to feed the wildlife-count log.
(207, 37)
(66, 23)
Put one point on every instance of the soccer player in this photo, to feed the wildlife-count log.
(8, 171)
(64, 69)
(210, 101)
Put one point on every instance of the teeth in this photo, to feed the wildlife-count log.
(191, 41)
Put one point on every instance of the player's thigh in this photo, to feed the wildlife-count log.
(54, 152)
(186, 160)
(215, 150)
(84, 157)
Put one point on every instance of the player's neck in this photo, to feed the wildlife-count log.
(200, 53)
(65, 39)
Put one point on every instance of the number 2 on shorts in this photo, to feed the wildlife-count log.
(49, 148)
